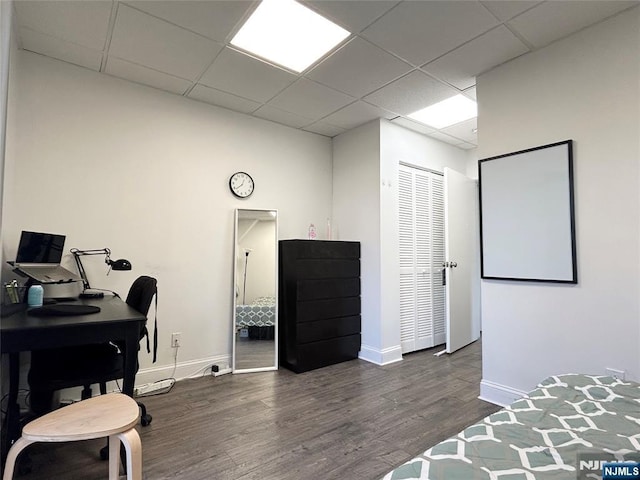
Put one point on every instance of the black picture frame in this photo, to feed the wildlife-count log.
(527, 215)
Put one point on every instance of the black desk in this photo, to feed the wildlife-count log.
(21, 332)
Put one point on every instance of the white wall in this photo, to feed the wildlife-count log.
(356, 207)
(5, 54)
(472, 163)
(365, 208)
(585, 88)
(145, 173)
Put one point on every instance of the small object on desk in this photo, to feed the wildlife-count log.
(91, 294)
(12, 290)
(63, 310)
(35, 296)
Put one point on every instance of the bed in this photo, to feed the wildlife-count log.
(559, 431)
(257, 320)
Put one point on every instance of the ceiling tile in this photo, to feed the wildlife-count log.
(356, 114)
(411, 93)
(551, 21)
(422, 31)
(222, 99)
(213, 19)
(309, 98)
(146, 76)
(359, 68)
(507, 9)
(148, 41)
(83, 23)
(467, 130)
(242, 75)
(410, 124)
(460, 67)
(61, 50)
(280, 116)
(354, 16)
(466, 146)
(324, 129)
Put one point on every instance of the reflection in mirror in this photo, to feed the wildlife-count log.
(255, 330)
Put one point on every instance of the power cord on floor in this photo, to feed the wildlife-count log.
(171, 379)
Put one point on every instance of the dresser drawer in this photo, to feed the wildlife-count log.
(335, 268)
(330, 308)
(321, 248)
(315, 331)
(327, 352)
(330, 288)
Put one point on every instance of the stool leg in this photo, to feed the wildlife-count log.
(133, 446)
(114, 457)
(12, 456)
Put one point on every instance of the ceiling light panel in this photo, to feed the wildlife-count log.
(447, 112)
(288, 34)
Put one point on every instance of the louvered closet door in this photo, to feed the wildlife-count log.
(421, 214)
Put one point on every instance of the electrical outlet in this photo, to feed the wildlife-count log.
(176, 339)
(615, 373)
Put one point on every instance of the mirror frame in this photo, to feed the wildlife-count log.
(235, 303)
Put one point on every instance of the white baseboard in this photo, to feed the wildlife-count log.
(183, 370)
(187, 369)
(499, 394)
(380, 357)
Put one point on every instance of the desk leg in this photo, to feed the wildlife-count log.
(130, 361)
(12, 419)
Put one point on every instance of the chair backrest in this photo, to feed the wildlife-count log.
(140, 296)
(141, 293)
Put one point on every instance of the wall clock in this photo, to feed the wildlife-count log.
(241, 184)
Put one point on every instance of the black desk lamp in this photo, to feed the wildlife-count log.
(117, 265)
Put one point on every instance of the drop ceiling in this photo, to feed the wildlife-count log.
(401, 56)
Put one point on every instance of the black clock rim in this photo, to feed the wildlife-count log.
(231, 188)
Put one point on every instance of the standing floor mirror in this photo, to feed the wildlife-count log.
(255, 300)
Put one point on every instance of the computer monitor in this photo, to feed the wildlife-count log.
(36, 247)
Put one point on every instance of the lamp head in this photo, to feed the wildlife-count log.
(120, 264)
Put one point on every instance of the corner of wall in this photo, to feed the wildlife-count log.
(380, 357)
(499, 394)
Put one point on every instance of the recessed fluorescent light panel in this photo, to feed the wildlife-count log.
(288, 34)
(447, 112)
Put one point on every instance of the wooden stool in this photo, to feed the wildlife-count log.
(113, 415)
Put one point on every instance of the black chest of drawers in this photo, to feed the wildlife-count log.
(319, 303)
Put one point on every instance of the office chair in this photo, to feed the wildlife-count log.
(58, 368)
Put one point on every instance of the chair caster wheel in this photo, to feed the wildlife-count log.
(104, 453)
(145, 420)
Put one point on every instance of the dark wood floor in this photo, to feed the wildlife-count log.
(353, 421)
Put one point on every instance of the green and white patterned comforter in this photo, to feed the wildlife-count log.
(540, 436)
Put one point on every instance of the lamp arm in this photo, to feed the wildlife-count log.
(81, 253)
